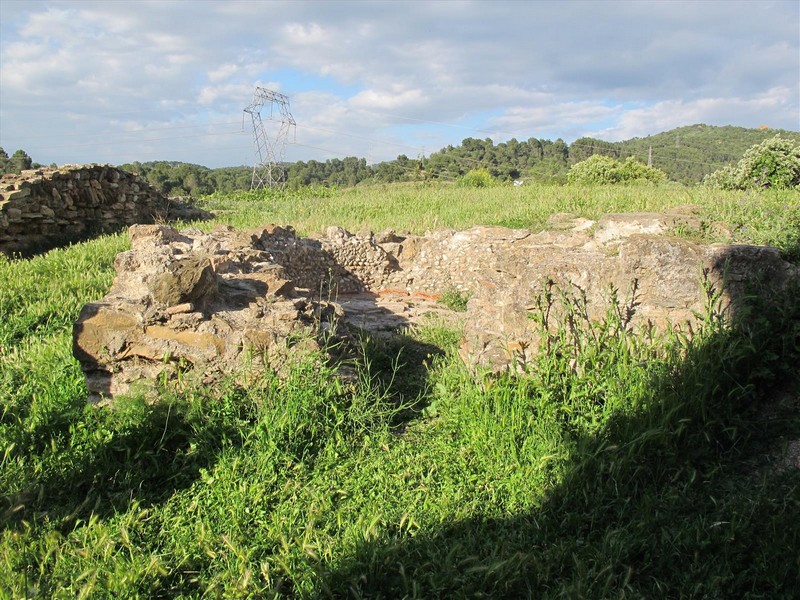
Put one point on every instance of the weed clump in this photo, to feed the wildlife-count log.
(455, 299)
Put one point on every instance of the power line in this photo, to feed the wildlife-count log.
(619, 152)
(135, 141)
(469, 162)
(346, 155)
(130, 131)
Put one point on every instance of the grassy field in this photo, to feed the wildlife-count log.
(623, 464)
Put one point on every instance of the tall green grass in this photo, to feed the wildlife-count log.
(621, 464)
(771, 217)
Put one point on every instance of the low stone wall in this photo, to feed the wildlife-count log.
(209, 303)
(44, 208)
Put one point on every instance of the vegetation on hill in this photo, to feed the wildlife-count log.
(685, 154)
(622, 464)
(772, 163)
(541, 160)
(604, 170)
(15, 163)
(185, 179)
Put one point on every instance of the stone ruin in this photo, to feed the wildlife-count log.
(207, 304)
(44, 208)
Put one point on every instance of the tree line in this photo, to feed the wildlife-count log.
(686, 155)
(17, 162)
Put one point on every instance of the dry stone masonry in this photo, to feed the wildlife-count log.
(44, 208)
(208, 304)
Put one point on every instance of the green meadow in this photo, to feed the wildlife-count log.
(623, 464)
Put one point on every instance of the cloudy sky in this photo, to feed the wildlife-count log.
(121, 81)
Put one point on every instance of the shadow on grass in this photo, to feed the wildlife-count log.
(685, 497)
(97, 462)
(398, 366)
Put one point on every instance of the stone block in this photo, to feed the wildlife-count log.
(18, 194)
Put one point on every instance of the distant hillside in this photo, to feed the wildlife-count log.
(686, 154)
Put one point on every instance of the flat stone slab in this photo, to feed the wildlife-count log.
(393, 310)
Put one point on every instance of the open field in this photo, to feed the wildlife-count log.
(759, 218)
(623, 465)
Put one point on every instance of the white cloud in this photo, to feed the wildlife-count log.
(307, 35)
(223, 72)
(320, 109)
(225, 94)
(747, 112)
(371, 76)
(395, 98)
(533, 119)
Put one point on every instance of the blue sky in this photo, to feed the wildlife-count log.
(122, 81)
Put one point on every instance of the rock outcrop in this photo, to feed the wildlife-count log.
(44, 208)
(208, 304)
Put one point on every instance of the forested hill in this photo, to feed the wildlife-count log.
(686, 154)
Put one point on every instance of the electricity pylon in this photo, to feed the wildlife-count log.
(270, 150)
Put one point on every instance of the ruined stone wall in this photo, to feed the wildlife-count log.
(209, 303)
(44, 208)
(337, 263)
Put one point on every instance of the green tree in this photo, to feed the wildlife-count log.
(21, 161)
(18, 162)
(390, 171)
(597, 169)
(775, 162)
(5, 163)
(557, 150)
(633, 171)
(584, 147)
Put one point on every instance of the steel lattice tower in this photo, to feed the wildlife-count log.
(268, 171)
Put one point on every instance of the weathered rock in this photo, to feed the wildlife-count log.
(83, 201)
(665, 274)
(505, 271)
(189, 280)
(206, 304)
